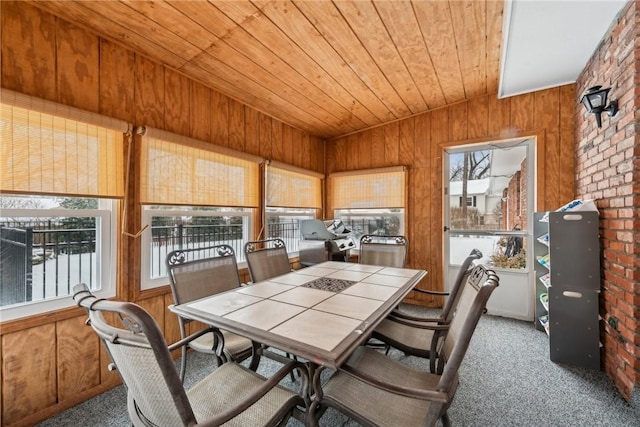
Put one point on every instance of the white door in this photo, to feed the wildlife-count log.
(489, 199)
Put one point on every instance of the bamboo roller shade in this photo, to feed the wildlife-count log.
(48, 148)
(289, 188)
(368, 189)
(182, 171)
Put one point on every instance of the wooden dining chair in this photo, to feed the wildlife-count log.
(383, 250)
(411, 397)
(201, 272)
(231, 395)
(266, 259)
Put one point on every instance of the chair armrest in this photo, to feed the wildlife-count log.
(398, 315)
(430, 292)
(194, 336)
(433, 324)
(417, 393)
(257, 394)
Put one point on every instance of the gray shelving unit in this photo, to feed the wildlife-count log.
(541, 249)
(567, 253)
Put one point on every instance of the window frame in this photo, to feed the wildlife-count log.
(106, 263)
(372, 212)
(292, 212)
(373, 197)
(471, 201)
(172, 211)
(63, 135)
(294, 192)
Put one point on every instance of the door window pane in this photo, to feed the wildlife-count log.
(488, 204)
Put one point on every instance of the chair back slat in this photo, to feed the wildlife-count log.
(478, 287)
(387, 251)
(458, 284)
(141, 375)
(266, 259)
(200, 272)
(142, 359)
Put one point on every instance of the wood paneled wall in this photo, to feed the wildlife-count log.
(52, 362)
(418, 143)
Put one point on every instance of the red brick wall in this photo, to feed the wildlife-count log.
(524, 208)
(516, 200)
(608, 170)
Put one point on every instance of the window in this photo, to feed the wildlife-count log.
(292, 194)
(388, 222)
(61, 177)
(370, 201)
(471, 201)
(195, 194)
(284, 223)
(51, 244)
(500, 175)
(183, 227)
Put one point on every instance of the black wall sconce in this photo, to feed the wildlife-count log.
(595, 101)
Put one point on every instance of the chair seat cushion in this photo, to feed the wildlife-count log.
(228, 385)
(357, 397)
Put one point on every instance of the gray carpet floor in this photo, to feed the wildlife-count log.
(506, 379)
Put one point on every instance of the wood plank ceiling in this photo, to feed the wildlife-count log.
(327, 67)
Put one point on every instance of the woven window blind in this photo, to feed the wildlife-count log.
(49, 148)
(177, 170)
(289, 187)
(368, 189)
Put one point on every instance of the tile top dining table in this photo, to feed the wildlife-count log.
(319, 313)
